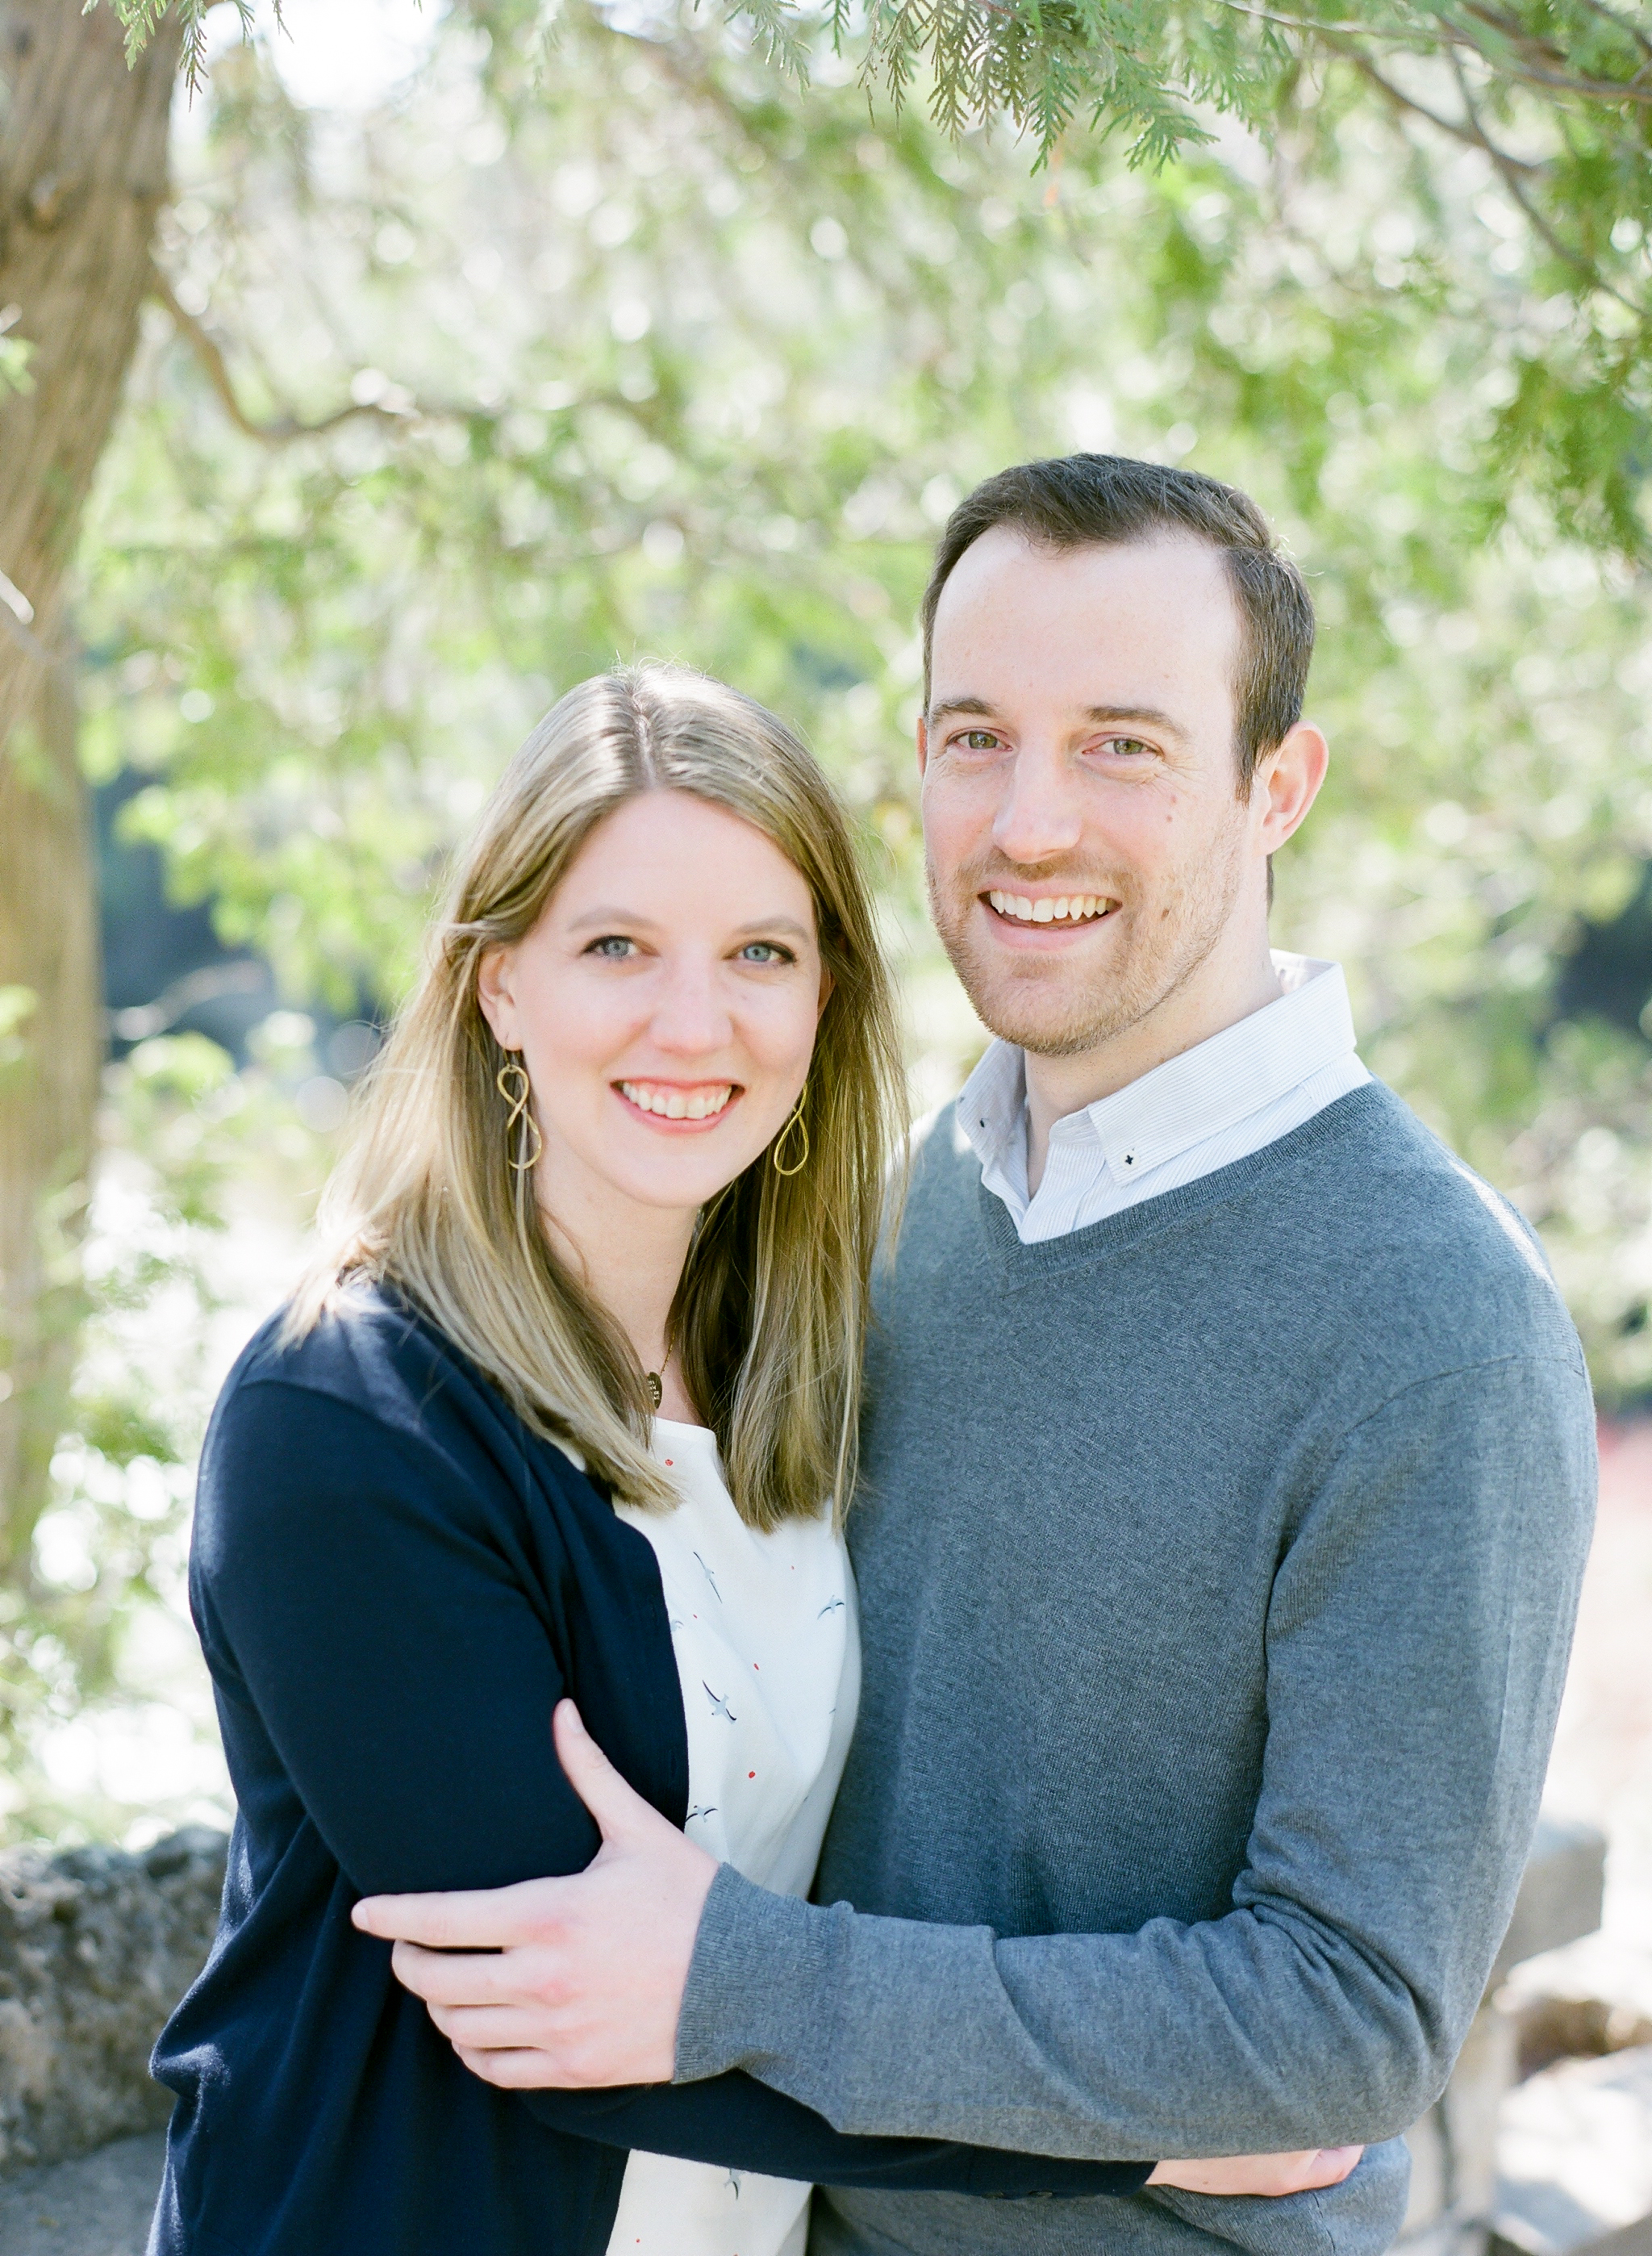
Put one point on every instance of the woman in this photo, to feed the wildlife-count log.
(566, 1405)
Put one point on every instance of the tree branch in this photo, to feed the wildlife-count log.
(1458, 129)
(1622, 24)
(1452, 37)
(1509, 28)
(26, 640)
(283, 428)
(1509, 173)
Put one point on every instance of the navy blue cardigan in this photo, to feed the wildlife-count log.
(394, 1581)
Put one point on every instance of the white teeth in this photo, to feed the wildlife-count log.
(1068, 908)
(676, 1103)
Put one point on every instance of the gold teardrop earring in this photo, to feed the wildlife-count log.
(798, 1121)
(517, 1097)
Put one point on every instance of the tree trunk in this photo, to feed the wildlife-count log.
(82, 176)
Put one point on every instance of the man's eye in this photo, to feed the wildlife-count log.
(613, 947)
(1132, 747)
(765, 951)
(978, 740)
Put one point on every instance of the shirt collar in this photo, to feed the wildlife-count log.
(1201, 1093)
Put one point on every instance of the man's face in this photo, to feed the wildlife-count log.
(1086, 844)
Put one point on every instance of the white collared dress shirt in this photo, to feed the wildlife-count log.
(1217, 1103)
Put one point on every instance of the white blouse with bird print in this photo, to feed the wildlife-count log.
(767, 1652)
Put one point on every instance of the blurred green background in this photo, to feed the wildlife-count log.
(627, 345)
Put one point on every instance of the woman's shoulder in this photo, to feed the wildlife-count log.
(373, 1360)
(372, 1400)
(369, 1349)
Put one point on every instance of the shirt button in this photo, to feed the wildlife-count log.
(1129, 1158)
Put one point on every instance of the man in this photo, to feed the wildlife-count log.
(1228, 1481)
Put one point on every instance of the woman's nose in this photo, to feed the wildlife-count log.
(691, 1017)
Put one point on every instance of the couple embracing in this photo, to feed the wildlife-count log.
(1210, 1452)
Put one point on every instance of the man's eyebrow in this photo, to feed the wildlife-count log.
(964, 703)
(1108, 715)
(1149, 715)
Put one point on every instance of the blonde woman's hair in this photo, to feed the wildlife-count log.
(770, 1318)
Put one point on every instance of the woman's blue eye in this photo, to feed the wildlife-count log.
(612, 945)
(766, 951)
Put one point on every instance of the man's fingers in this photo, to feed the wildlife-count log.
(523, 2070)
(442, 1977)
(1332, 2164)
(619, 1810)
(479, 1919)
(489, 2028)
(1264, 2176)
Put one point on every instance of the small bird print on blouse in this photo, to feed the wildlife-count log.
(719, 1705)
(733, 2182)
(700, 1809)
(832, 1606)
(710, 1577)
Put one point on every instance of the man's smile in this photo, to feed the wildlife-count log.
(1049, 908)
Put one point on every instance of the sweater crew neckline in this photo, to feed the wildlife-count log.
(1018, 1263)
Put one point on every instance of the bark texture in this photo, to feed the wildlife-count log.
(82, 176)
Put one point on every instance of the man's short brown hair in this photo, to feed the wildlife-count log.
(1101, 501)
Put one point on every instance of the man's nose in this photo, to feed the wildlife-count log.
(1040, 814)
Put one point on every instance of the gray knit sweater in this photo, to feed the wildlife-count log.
(1218, 1566)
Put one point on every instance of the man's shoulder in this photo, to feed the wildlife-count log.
(1419, 1239)
(941, 1186)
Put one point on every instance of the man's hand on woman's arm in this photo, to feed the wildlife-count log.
(579, 1982)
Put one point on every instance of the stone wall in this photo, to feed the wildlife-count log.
(96, 1947)
(1454, 2147)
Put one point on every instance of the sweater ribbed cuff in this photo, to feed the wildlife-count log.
(761, 1969)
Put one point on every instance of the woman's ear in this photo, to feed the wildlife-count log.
(827, 984)
(494, 997)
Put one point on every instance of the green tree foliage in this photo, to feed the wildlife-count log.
(545, 361)
(1554, 98)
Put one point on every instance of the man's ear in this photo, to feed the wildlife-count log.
(494, 997)
(922, 742)
(1287, 783)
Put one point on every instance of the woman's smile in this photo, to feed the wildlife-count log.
(677, 1106)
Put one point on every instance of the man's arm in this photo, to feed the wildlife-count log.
(1418, 1640)
(349, 1590)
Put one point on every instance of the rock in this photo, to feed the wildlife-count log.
(1561, 1892)
(1574, 2158)
(98, 2205)
(96, 1947)
(1454, 2147)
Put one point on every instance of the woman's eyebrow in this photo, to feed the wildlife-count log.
(609, 917)
(763, 925)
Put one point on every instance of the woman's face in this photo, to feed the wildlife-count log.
(664, 1005)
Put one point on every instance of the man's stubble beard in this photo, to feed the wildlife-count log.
(1192, 912)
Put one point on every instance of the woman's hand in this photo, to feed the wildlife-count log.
(1269, 2174)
